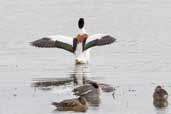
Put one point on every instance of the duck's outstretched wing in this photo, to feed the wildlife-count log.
(98, 40)
(57, 41)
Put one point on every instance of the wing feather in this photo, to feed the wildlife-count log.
(57, 41)
(98, 40)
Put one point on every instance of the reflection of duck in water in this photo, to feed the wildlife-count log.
(78, 105)
(87, 89)
(91, 92)
(79, 77)
(80, 45)
(80, 73)
(160, 97)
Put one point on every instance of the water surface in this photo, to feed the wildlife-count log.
(134, 65)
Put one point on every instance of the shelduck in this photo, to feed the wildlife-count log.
(79, 45)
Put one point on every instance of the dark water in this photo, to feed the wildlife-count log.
(134, 65)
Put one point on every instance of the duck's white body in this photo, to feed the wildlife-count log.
(80, 45)
(82, 56)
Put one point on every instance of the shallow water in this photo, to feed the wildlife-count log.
(134, 65)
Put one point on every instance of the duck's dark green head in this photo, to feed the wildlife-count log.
(81, 23)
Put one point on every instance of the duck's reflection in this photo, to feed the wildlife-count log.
(161, 110)
(80, 74)
(90, 90)
(77, 77)
(83, 86)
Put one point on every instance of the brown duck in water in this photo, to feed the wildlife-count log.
(78, 105)
(160, 97)
(91, 92)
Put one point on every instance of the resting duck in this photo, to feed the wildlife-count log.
(80, 45)
(78, 105)
(160, 97)
(91, 92)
